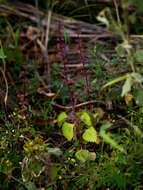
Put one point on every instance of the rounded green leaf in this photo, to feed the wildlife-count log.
(85, 117)
(120, 50)
(61, 117)
(127, 86)
(82, 155)
(90, 135)
(67, 130)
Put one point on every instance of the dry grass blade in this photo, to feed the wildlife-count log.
(6, 83)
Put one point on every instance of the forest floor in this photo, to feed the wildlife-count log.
(60, 128)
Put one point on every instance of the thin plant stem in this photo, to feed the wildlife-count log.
(62, 47)
(46, 47)
(117, 12)
(82, 60)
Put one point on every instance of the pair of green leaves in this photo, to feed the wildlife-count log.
(89, 135)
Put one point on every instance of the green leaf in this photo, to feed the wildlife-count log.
(67, 130)
(85, 117)
(90, 135)
(26, 150)
(2, 55)
(54, 151)
(120, 50)
(94, 82)
(138, 77)
(139, 55)
(107, 139)
(82, 155)
(61, 117)
(127, 86)
(115, 80)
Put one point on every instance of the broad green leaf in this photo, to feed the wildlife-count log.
(138, 77)
(2, 55)
(67, 130)
(61, 117)
(85, 117)
(90, 135)
(82, 155)
(139, 55)
(54, 151)
(107, 139)
(115, 80)
(127, 86)
(120, 50)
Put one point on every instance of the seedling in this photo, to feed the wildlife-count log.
(88, 133)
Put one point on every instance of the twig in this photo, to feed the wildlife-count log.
(46, 46)
(78, 105)
(117, 12)
(41, 80)
(6, 83)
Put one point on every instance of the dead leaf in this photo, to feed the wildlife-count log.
(128, 98)
(31, 33)
(47, 94)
